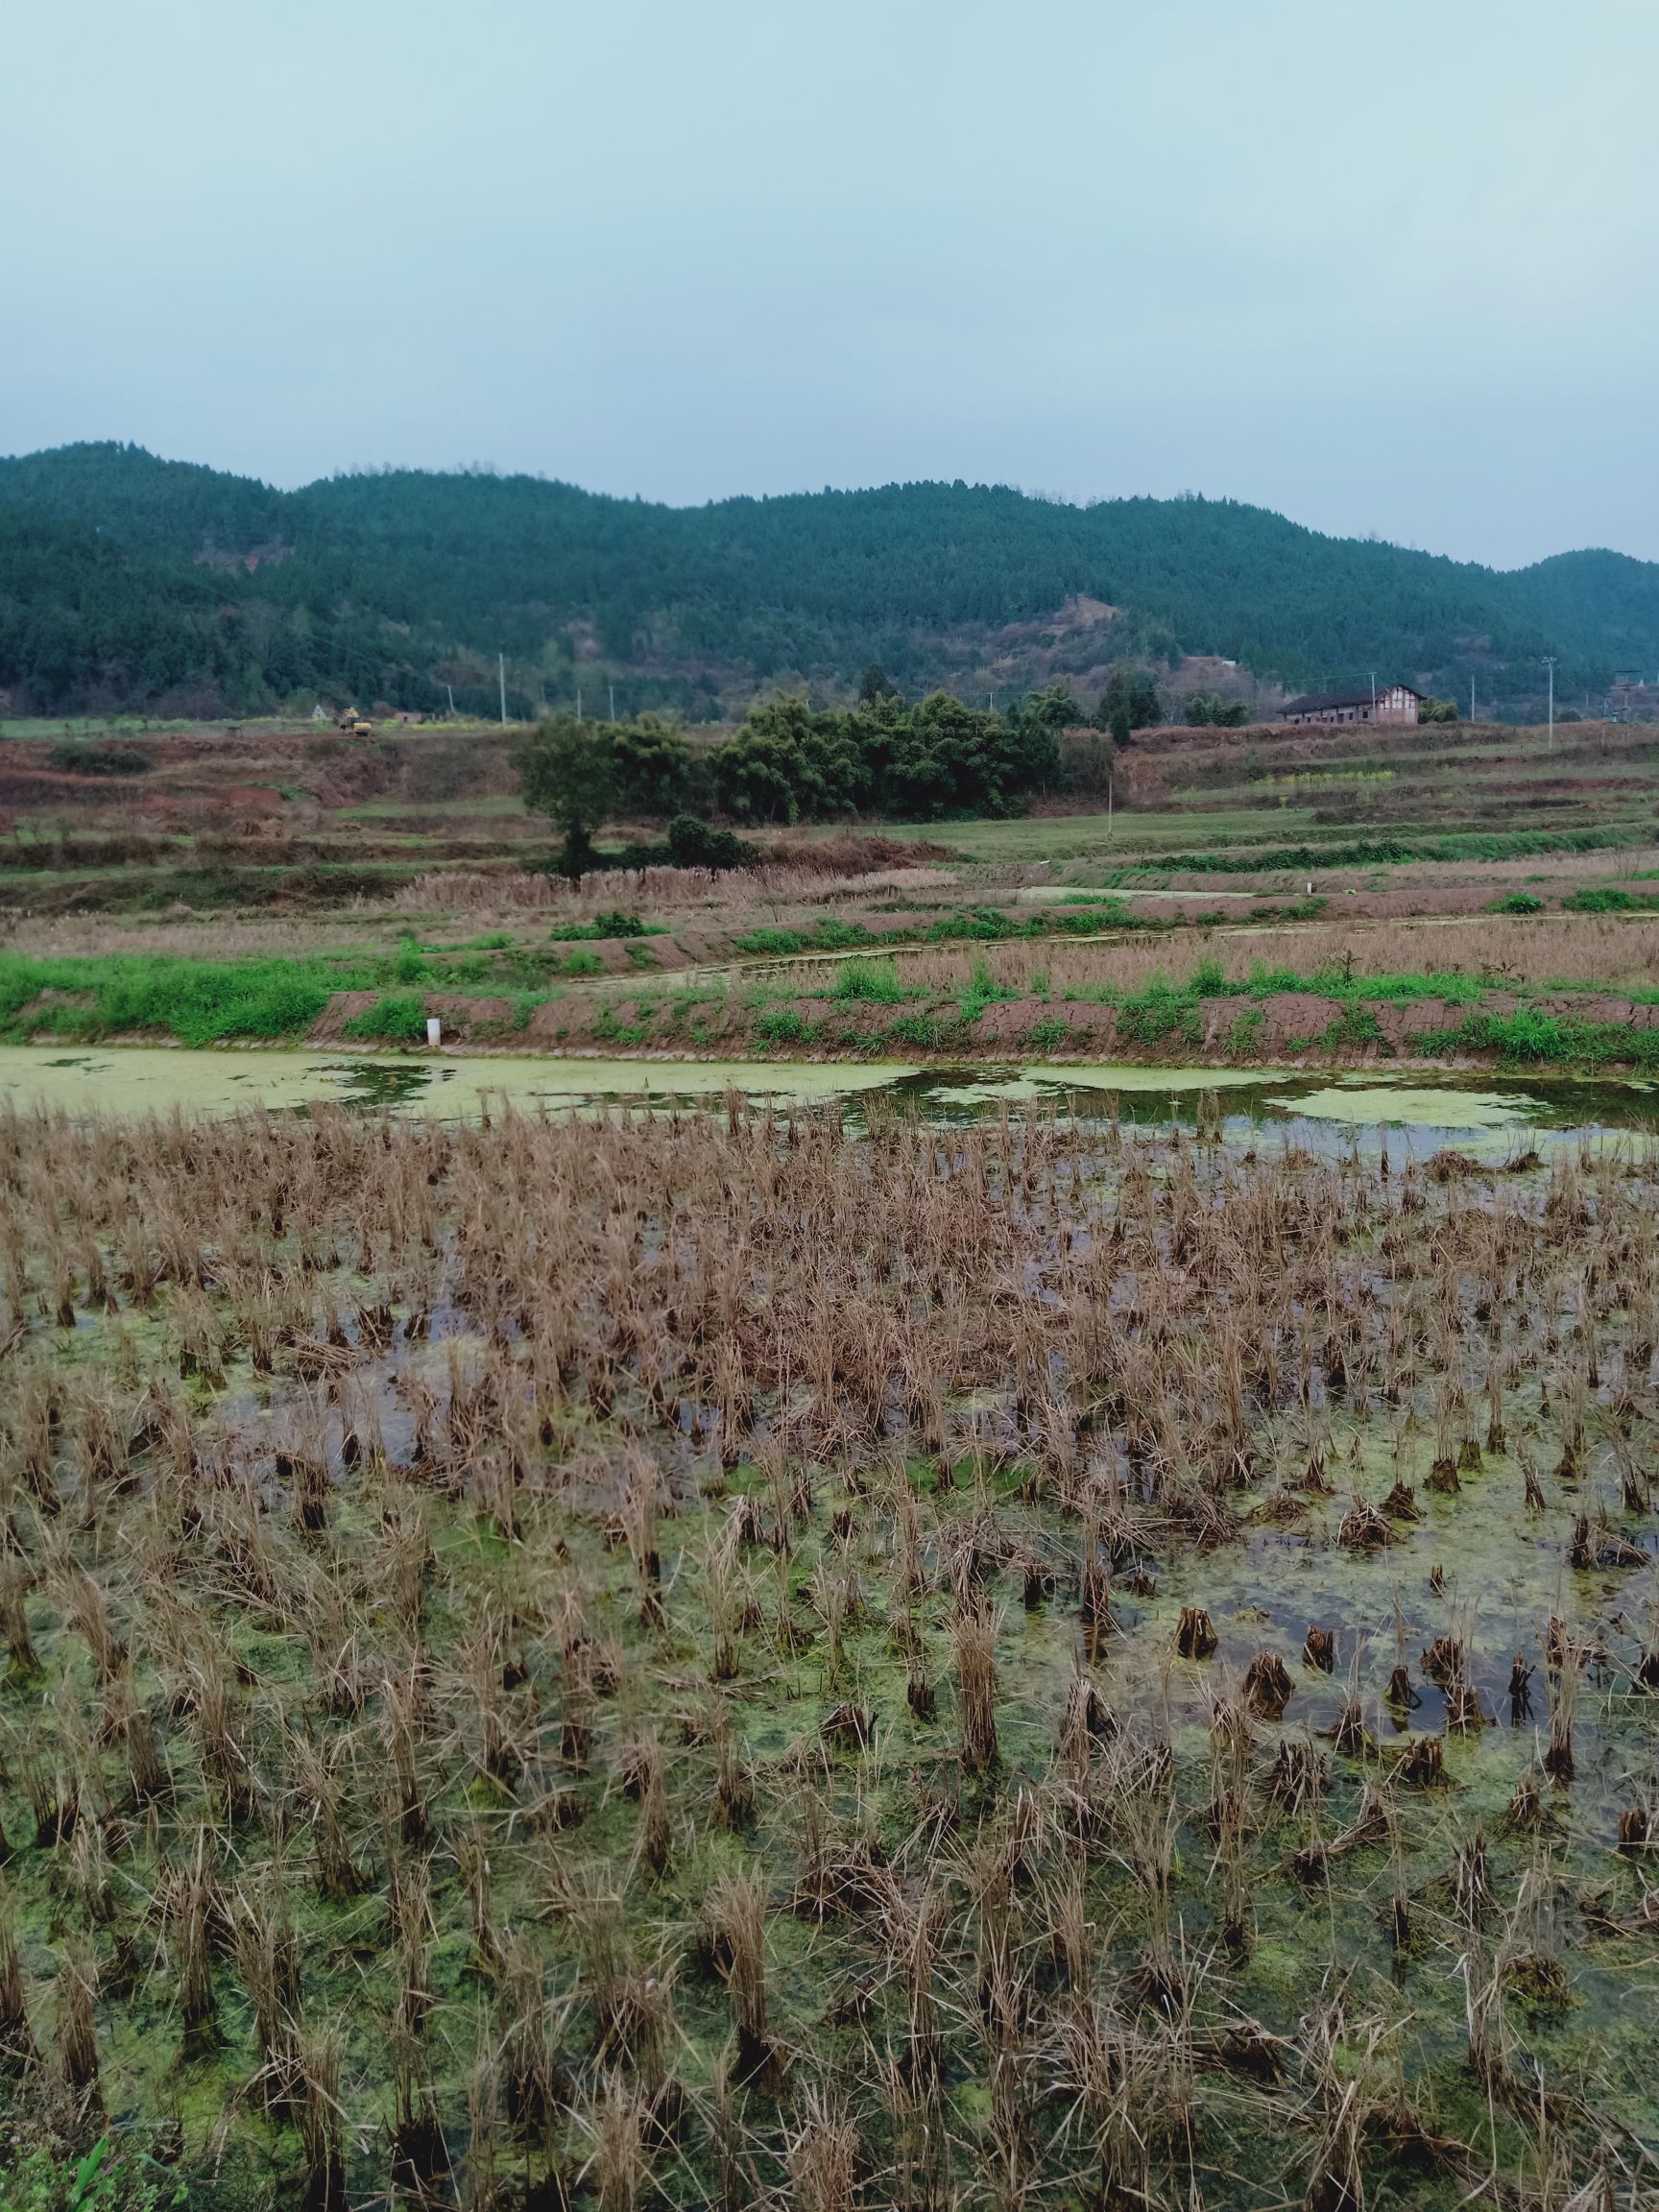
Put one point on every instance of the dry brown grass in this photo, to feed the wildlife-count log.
(1607, 951)
(760, 892)
(558, 1456)
(189, 937)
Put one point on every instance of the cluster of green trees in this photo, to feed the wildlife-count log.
(792, 762)
(87, 623)
(1129, 703)
(1208, 709)
(122, 577)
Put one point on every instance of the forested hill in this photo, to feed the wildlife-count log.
(130, 581)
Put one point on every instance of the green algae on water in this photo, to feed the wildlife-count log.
(1412, 1105)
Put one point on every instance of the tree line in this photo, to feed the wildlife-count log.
(126, 579)
(792, 763)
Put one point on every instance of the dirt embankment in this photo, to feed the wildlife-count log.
(1284, 1028)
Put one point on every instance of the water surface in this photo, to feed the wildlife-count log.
(1479, 1111)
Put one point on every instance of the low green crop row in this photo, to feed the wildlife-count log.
(1378, 852)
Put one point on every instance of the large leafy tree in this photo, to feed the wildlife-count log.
(1129, 703)
(1053, 708)
(759, 777)
(788, 762)
(949, 758)
(568, 770)
(653, 767)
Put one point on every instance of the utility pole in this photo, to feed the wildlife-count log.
(613, 691)
(1373, 694)
(578, 702)
(501, 672)
(1471, 698)
(450, 688)
(1549, 664)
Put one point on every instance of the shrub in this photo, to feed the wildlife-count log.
(582, 963)
(977, 922)
(1354, 1026)
(833, 936)
(769, 941)
(1604, 899)
(1208, 708)
(783, 1025)
(1161, 1010)
(1081, 921)
(605, 925)
(1516, 903)
(391, 1020)
(72, 758)
(874, 982)
(693, 843)
(983, 989)
(919, 1030)
(825, 935)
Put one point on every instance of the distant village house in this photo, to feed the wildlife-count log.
(1393, 703)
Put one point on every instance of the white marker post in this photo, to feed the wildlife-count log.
(434, 1032)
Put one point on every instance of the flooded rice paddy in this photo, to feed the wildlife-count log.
(1039, 1651)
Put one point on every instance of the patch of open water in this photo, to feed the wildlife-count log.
(1484, 1113)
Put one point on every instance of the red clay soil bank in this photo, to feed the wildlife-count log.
(1285, 1028)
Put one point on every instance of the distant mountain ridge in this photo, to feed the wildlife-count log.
(130, 581)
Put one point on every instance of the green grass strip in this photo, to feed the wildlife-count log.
(197, 1001)
(1378, 852)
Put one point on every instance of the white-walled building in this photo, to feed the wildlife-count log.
(1391, 703)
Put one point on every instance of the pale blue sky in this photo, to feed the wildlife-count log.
(1385, 265)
